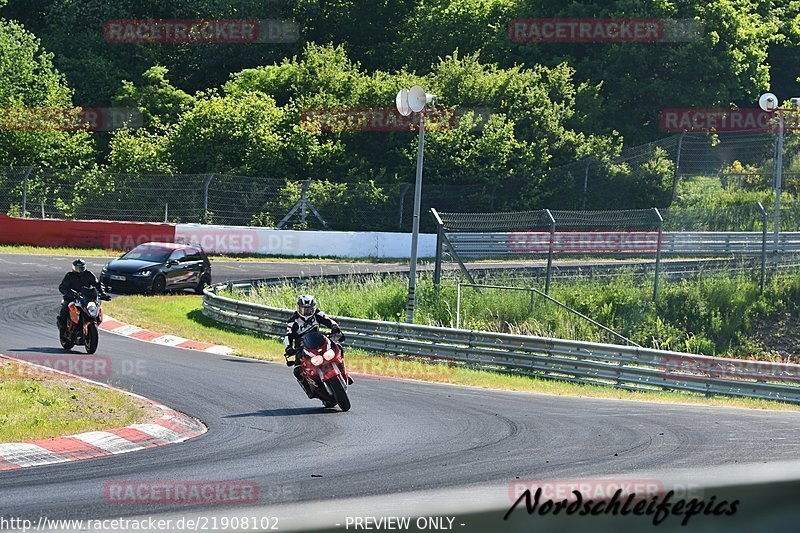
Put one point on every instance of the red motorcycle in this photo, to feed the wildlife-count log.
(323, 368)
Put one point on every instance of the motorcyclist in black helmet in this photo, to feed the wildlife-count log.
(75, 280)
(306, 318)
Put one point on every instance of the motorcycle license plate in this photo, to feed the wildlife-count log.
(117, 278)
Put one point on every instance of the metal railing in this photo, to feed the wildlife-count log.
(535, 292)
(624, 367)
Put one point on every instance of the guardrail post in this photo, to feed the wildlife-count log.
(764, 221)
(658, 251)
(550, 251)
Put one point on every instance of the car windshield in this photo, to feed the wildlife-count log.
(155, 254)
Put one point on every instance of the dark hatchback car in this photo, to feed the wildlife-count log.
(157, 267)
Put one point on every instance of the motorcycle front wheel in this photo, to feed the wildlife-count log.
(65, 342)
(91, 338)
(340, 394)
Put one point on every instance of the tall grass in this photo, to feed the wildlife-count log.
(712, 315)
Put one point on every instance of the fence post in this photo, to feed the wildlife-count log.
(658, 251)
(166, 212)
(25, 193)
(205, 197)
(437, 271)
(43, 209)
(585, 184)
(677, 166)
(764, 221)
(550, 251)
(458, 306)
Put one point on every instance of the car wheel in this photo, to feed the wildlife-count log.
(205, 281)
(159, 285)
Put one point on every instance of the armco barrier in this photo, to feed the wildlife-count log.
(624, 367)
(82, 233)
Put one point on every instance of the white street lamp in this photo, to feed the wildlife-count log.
(408, 101)
(769, 103)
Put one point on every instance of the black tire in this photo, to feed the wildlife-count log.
(205, 281)
(65, 343)
(92, 339)
(159, 285)
(340, 394)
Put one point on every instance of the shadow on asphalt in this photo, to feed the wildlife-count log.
(48, 349)
(241, 360)
(289, 411)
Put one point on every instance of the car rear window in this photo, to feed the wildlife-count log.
(155, 254)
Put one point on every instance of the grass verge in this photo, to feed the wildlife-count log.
(181, 315)
(42, 407)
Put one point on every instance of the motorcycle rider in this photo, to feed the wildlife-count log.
(75, 280)
(306, 318)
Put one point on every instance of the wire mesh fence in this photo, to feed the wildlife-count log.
(701, 181)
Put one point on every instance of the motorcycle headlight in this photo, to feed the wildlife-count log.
(143, 273)
(316, 360)
(92, 309)
(329, 354)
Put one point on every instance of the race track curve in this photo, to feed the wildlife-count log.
(399, 436)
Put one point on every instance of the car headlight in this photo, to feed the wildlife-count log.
(143, 273)
(92, 309)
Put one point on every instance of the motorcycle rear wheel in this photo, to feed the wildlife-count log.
(340, 394)
(91, 338)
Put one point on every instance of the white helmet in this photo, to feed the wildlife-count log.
(306, 305)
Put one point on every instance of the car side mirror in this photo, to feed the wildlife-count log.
(172, 262)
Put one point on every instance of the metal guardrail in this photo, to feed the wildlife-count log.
(624, 367)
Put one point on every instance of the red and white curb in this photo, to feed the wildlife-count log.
(127, 330)
(170, 428)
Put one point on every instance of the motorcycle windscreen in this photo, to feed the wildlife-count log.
(313, 340)
(88, 294)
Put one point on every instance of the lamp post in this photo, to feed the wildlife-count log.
(769, 103)
(408, 101)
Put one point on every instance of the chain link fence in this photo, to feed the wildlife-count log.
(700, 181)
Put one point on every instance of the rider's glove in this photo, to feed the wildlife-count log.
(337, 331)
(289, 351)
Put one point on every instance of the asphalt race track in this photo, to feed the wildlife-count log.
(399, 436)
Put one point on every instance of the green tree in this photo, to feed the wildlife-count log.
(29, 81)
